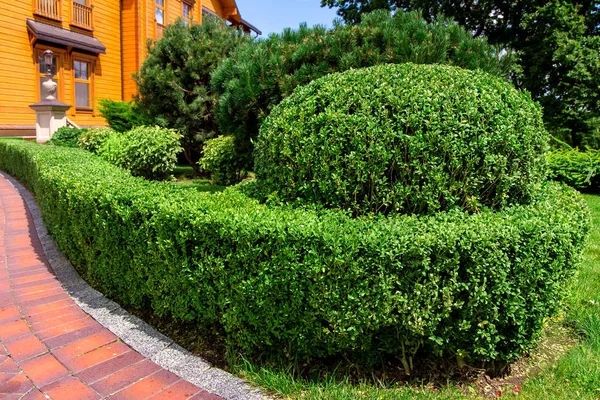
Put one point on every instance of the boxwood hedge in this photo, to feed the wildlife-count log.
(297, 283)
(404, 138)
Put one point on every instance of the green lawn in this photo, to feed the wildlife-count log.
(574, 338)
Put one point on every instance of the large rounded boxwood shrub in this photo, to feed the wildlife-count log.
(404, 138)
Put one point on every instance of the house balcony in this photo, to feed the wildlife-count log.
(47, 8)
(82, 16)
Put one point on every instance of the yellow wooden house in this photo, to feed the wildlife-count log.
(97, 45)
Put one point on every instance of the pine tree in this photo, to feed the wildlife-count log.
(174, 80)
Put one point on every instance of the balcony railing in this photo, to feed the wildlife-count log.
(47, 8)
(82, 16)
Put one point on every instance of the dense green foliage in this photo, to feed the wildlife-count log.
(220, 159)
(121, 116)
(299, 284)
(174, 80)
(498, 20)
(150, 152)
(93, 138)
(258, 76)
(66, 136)
(404, 138)
(580, 170)
(560, 66)
(558, 45)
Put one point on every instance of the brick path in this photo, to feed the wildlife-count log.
(49, 347)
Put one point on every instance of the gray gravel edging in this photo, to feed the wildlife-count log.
(130, 329)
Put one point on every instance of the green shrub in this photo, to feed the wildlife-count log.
(580, 170)
(174, 80)
(221, 161)
(121, 115)
(257, 76)
(93, 138)
(150, 152)
(404, 138)
(299, 284)
(66, 136)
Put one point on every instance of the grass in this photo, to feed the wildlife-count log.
(565, 366)
(186, 178)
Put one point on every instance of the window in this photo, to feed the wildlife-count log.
(41, 75)
(82, 71)
(160, 12)
(186, 13)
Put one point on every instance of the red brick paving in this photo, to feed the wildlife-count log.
(51, 349)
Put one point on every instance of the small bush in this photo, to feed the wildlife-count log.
(150, 152)
(580, 170)
(404, 138)
(93, 138)
(121, 115)
(66, 136)
(221, 161)
(296, 284)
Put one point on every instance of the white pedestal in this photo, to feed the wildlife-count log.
(49, 116)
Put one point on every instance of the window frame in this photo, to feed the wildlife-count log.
(187, 20)
(157, 25)
(91, 62)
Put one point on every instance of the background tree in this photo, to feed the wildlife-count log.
(258, 76)
(174, 80)
(560, 65)
(556, 40)
(499, 20)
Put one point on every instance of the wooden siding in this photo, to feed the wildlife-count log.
(213, 5)
(17, 66)
(19, 77)
(131, 46)
(124, 32)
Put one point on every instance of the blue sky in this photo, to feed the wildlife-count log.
(271, 16)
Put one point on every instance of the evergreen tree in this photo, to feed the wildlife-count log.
(174, 80)
(562, 71)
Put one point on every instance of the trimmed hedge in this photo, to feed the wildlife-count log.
(259, 75)
(301, 284)
(404, 138)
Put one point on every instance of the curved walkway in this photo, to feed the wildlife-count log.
(51, 349)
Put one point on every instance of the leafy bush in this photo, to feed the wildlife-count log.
(93, 138)
(404, 138)
(221, 161)
(298, 284)
(256, 77)
(174, 80)
(66, 136)
(580, 170)
(146, 151)
(121, 116)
